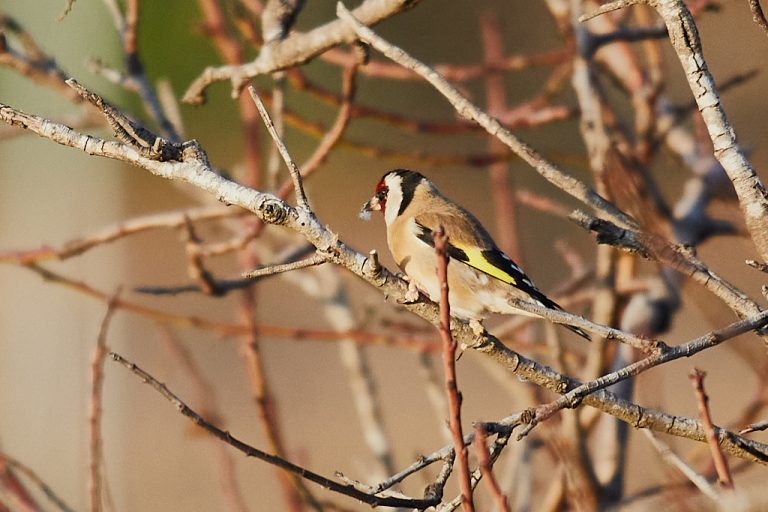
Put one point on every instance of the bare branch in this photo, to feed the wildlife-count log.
(250, 451)
(574, 397)
(755, 427)
(295, 49)
(194, 169)
(753, 198)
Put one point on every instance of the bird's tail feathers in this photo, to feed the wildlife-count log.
(545, 301)
(581, 332)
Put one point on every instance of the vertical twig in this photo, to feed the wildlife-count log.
(97, 381)
(721, 465)
(278, 108)
(486, 468)
(449, 365)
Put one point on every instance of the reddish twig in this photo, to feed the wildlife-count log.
(97, 386)
(229, 329)
(449, 365)
(7, 462)
(486, 467)
(123, 229)
(721, 465)
(333, 135)
(455, 73)
(15, 489)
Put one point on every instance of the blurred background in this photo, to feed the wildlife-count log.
(153, 458)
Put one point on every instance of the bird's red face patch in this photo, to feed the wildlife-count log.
(381, 194)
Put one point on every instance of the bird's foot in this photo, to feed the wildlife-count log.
(412, 295)
(479, 332)
(477, 328)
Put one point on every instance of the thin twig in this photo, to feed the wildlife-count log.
(755, 427)
(573, 398)
(675, 461)
(609, 7)
(335, 132)
(97, 385)
(427, 344)
(250, 451)
(484, 460)
(504, 200)
(314, 260)
(123, 229)
(702, 400)
(293, 169)
(449, 366)
(29, 473)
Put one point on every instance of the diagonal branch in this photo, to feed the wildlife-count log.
(295, 49)
(250, 451)
(293, 169)
(468, 110)
(573, 398)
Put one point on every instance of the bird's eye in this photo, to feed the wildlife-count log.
(382, 194)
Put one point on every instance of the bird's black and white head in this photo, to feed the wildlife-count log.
(394, 193)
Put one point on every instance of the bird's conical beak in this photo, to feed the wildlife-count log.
(369, 206)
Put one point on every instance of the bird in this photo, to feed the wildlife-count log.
(481, 277)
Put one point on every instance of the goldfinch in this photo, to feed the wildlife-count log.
(481, 278)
